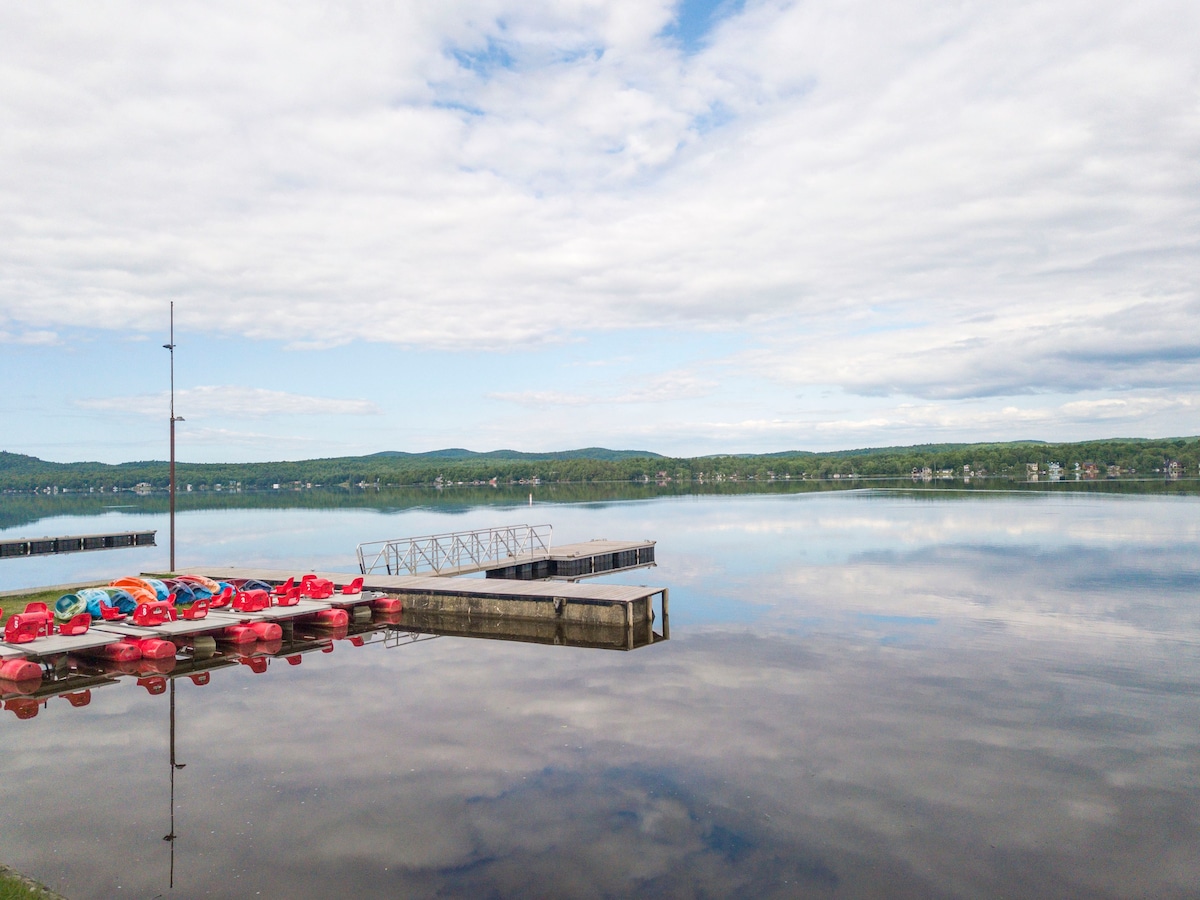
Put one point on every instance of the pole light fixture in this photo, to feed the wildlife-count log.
(174, 418)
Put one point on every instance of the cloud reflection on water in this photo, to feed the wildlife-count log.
(951, 720)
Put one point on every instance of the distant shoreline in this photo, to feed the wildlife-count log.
(1014, 461)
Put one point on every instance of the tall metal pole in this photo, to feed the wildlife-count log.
(171, 488)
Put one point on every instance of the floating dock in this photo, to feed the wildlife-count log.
(530, 593)
(593, 604)
(573, 561)
(44, 546)
(59, 644)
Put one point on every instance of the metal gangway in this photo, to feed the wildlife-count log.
(457, 552)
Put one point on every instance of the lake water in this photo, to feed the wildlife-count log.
(864, 694)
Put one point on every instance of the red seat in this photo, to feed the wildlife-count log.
(147, 615)
(224, 598)
(20, 629)
(197, 610)
(251, 601)
(316, 588)
(38, 612)
(291, 598)
(111, 613)
(76, 625)
(79, 698)
(283, 589)
(37, 621)
(354, 587)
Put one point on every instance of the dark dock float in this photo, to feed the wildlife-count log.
(584, 560)
(44, 546)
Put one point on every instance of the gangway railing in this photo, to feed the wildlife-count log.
(457, 551)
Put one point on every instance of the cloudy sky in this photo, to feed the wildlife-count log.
(688, 227)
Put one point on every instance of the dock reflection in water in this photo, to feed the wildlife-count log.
(76, 678)
(534, 631)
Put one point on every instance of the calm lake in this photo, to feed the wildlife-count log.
(865, 694)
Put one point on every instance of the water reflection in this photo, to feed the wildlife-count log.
(534, 631)
(72, 677)
(974, 698)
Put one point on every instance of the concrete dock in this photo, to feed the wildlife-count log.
(595, 604)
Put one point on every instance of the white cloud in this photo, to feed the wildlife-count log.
(826, 426)
(927, 200)
(33, 338)
(209, 401)
(1076, 348)
(318, 176)
(669, 388)
(226, 437)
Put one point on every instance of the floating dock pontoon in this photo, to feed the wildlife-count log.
(75, 543)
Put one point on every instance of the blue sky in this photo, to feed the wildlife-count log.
(688, 228)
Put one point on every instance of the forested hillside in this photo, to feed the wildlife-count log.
(1145, 458)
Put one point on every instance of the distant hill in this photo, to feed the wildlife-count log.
(457, 453)
(1010, 459)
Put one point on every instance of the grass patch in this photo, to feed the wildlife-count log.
(13, 887)
(16, 604)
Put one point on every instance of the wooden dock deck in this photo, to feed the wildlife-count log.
(595, 604)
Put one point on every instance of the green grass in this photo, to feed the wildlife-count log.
(10, 605)
(13, 888)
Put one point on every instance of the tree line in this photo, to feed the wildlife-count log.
(1146, 458)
